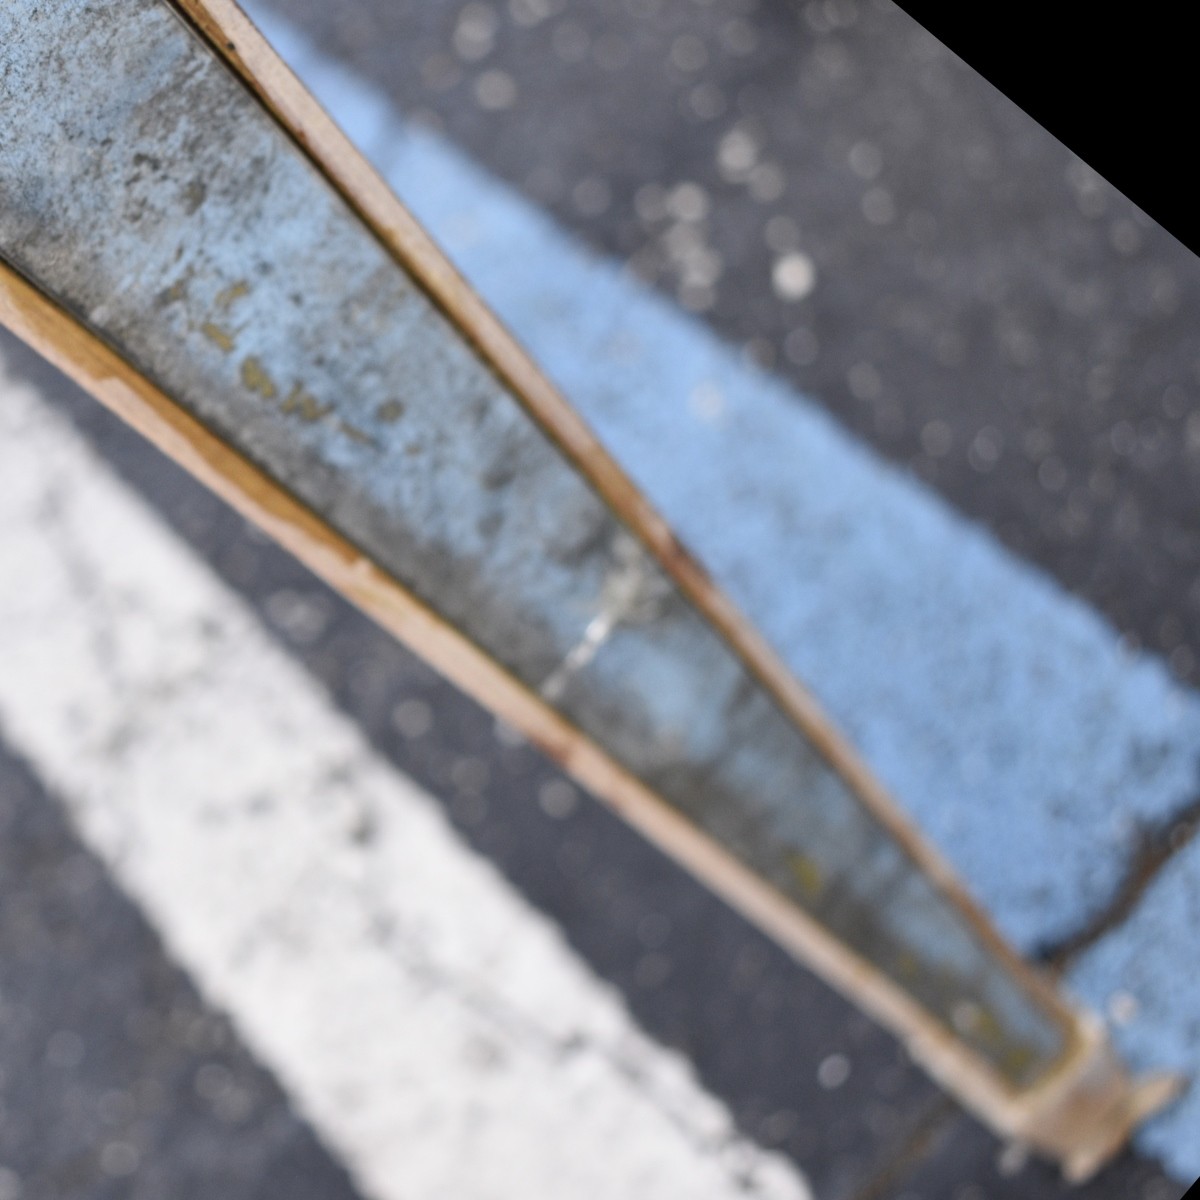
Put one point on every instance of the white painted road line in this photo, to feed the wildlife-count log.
(434, 1027)
(1002, 712)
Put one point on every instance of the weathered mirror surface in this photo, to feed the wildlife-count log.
(146, 190)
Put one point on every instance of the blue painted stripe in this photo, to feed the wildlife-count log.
(1003, 713)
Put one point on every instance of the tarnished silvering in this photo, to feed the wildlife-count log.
(151, 195)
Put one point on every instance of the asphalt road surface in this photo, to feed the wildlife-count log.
(830, 192)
